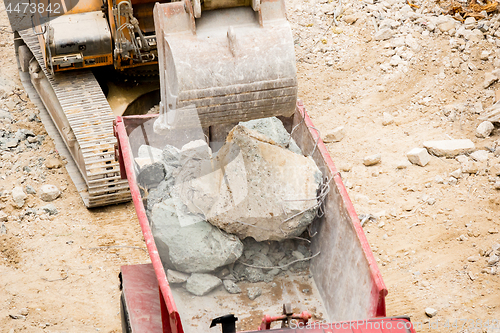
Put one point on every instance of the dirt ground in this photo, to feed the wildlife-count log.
(64, 269)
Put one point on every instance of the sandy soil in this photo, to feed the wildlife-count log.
(64, 269)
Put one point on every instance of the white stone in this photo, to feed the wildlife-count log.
(489, 79)
(470, 167)
(3, 216)
(456, 174)
(412, 43)
(446, 26)
(176, 277)
(449, 148)
(202, 284)
(484, 129)
(260, 188)
(372, 160)
(430, 312)
(335, 135)
(403, 164)
(18, 196)
(480, 155)
(49, 192)
(383, 34)
(484, 55)
(388, 119)
(419, 156)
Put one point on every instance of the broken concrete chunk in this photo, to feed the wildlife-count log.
(151, 175)
(449, 148)
(3, 216)
(372, 160)
(202, 284)
(176, 277)
(254, 292)
(419, 156)
(263, 188)
(195, 246)
(273, 128)
(231, 287)
(484, 129)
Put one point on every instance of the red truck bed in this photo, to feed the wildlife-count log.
(345, 273)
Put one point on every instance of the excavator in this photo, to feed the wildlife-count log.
(92, 60)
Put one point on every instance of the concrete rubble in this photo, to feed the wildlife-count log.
(419, 156)
(449, 148)
(194, 246)
(200, 206)
(266, 185)
(202, 284)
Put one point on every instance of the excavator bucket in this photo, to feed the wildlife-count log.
(231, 64)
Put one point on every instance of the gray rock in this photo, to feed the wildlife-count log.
(30, 189)
(430, 312)
(231, 287)
(261, 260)
(383, 34)
(254, 292)
(3, 229)
(372, 160)
(335, 135)
(419, 156)
(259, 186)
(188, 243)
(253, 274)
(18, 196)
(49, 209)
(449, 148)
(484, 129)
(150, 175)
(176, 277)
(273, 128)
(159, 193)
(202, 284)
(49, 192)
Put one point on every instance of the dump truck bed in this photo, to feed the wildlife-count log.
(345, 282)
